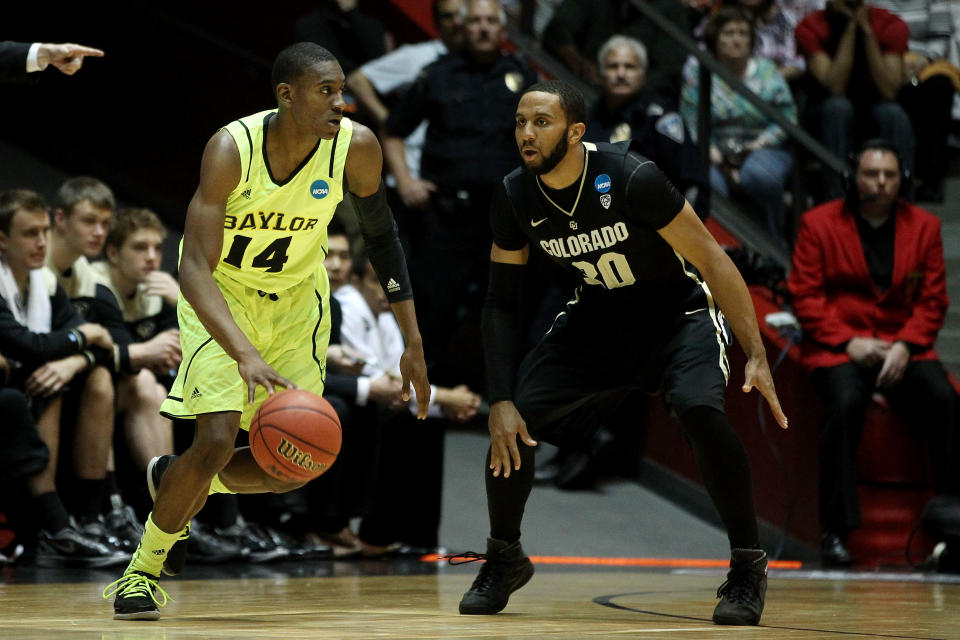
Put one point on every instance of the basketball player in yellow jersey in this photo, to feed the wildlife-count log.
(254, 295)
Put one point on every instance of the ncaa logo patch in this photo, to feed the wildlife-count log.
(602, 183)
(319, 189)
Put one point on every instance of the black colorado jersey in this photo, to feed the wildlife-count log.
(609, 236)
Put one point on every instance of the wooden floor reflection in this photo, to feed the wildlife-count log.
(556, 604)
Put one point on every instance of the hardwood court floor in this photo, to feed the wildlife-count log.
(556, 604)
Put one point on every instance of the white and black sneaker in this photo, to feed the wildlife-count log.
(71, 547)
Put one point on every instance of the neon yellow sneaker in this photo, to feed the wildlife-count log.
(136, 599)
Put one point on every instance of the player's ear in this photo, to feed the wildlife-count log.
(575, 132)
(283, 93)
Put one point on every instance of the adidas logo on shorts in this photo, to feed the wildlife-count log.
(392, 286)
(158, 552)
(196, 394)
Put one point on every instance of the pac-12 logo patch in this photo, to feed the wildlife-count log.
(319, 189)
(602, 183)
(605, 200)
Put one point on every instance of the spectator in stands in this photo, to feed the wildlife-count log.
(854, 54)
(348, 489)
(406, 507)
(628, 110)
(869, 289)
(18, 59)
(774, 30)
(469, 99)
(147, 297)
(933, 81)
(746, 150)
(81, 221)
(344, 30)
(580, 27)
(46, 347)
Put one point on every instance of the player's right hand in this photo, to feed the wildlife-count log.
(255, 371)
(505, 425)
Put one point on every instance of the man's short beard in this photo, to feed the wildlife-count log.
(550, 160)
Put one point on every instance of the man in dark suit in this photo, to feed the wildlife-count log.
(869, 289)
(17, 59)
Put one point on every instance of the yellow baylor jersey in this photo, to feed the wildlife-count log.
(275, 232)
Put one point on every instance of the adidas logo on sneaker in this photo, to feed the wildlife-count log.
(392, 286)
(246, 194)
(196, 394)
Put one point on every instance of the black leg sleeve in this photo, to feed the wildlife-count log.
(725, 469)
(507, 497)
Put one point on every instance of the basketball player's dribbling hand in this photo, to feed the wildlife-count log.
(255, 371)
(758, 375)
(413, 368)
(505, 425)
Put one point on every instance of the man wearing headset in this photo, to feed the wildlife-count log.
(869, 289)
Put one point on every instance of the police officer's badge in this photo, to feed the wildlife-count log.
(605, 200)
(513, 80)
(671, 126)
(621, 132)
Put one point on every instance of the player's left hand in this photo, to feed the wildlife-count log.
(413, 368)
(758, 375)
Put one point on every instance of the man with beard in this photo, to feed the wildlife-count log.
(854, 53)
(468, 98)
(642, 318)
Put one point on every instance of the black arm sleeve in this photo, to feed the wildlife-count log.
(500, 325)
(651, 198)
(383, 245)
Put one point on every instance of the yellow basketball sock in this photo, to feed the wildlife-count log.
(217, 486)
(153, 548)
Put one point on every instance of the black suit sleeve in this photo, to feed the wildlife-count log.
(411, 109)
(13, 61)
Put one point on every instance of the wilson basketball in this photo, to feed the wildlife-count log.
(295, 435)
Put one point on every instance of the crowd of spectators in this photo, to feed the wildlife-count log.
(88, 337)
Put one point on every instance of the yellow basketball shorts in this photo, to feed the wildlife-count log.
(290, 329)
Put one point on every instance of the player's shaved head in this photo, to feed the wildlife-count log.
(295, 59)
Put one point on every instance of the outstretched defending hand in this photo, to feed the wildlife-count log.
(413, 368)
(505, 425)
(758, 375)
(67, 57)
(255, 371)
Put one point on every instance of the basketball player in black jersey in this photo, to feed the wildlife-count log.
(646, 315)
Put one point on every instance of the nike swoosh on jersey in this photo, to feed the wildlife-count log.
(537, 222)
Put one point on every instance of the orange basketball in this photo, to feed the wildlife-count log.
(295, 435)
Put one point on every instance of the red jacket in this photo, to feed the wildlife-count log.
(835, 298)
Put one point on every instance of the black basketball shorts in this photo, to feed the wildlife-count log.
(588, 363)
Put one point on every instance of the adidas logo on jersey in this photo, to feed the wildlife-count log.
(392, 286)
(196, 394)
(246, 194)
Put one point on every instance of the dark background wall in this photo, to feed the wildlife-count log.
(174, 72)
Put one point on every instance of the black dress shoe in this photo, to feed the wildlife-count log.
(833, 553)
